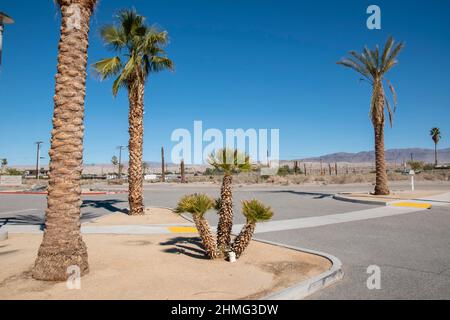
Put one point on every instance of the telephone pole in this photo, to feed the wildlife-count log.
(38, 157)
(120, 160)
(163, 168)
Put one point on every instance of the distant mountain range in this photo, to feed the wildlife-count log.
(392, 155)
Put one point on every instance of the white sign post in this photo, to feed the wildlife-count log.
(412, 173)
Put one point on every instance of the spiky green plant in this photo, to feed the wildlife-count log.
(435, 134)
(140, 54)
(229, 161)
(198, 205)
(254, 211)
(373, 66)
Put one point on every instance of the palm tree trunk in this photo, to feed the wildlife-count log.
(381, 183)
(435, 155)
(136, 131)
(243, 239)
(62, 245)
(207, 238)
(225, 214)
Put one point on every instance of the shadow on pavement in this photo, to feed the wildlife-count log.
(315, 195)
(190, 246)
(104, 204)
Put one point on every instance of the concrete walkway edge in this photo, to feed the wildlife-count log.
(305, 288)
(341, 197)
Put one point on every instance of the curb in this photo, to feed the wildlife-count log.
(3, 235)
(95, 193)
(305, 288)
(347, 199)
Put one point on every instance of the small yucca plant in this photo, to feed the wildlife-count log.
(255, 212)
(229, 161)
(198, 205)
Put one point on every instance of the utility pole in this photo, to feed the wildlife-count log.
(4, 19)
(183, 176)
(163, 169)
(120, 160)
(38, 157)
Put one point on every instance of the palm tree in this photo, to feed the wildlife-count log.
(140, 47)
(435, 134)
(255, 212)
(197, 205)
(228, 161)
(62, 245)
(373, 66)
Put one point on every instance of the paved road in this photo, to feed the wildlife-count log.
(412, 248)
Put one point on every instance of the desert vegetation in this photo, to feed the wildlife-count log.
(229, 162)
(198, 204)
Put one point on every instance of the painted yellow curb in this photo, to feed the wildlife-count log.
(182, 229)
(412, 204)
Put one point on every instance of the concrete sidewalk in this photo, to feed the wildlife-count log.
(271, 226)
(417, 197)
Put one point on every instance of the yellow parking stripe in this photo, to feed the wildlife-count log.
(412, 204)
(182, 229)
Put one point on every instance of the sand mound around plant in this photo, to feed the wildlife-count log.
(157, 267)
(151, 216)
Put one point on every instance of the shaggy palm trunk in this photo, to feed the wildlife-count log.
(136, 131)
(62, 245)
(435, 155)
(207, 238)
(243, 239)
(381, 183)
(225, 214)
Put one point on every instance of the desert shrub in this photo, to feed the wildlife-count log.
(416, 165)
(13, 172)
(428, 166)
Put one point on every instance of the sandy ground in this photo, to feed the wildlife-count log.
(152, 216)
(157, 267)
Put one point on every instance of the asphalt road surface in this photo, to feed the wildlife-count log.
(411, 249)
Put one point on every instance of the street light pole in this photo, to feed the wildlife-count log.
(4, 19)
(38, 157)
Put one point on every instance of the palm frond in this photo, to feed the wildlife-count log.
(230, 160)
(197, 204)
(391, 60)
(349, 63)
(107, 67)
(387, 50)
(140, 47)
(256, 211)
(113, 37)
(393, 92)
(158, 64)
(390, 112)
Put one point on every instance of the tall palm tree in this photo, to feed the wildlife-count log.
(62, 245)
(197, 205)
(228, 161)
(254, 211)
(140, 54)
(373, 66)
(435, 134)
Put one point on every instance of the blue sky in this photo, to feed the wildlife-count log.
(239, 64)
